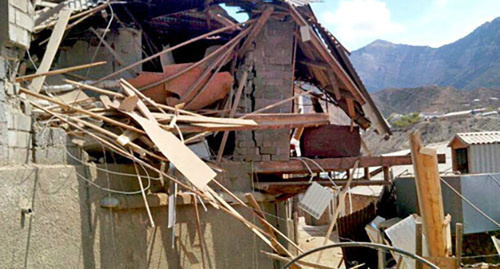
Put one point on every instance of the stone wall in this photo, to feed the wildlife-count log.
(270, 81)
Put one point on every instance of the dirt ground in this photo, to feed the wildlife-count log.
(312, 237)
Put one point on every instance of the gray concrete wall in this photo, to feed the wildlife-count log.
(69, 229)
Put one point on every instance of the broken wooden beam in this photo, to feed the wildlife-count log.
(296, 187)
(430, 200)
(52, 47)
(264, 122)
(58, 71)
(333, 164)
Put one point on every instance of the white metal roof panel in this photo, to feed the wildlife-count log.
(479, 138)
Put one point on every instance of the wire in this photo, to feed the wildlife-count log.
(494, 179)
(360, 244)
(110, 172)
(307, 166)
(470, 203)
(107, 170)
(111, 190)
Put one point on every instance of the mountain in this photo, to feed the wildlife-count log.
(430, 131)
(434, 99)
(469, 63)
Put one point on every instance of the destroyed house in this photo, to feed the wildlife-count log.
(162, 132)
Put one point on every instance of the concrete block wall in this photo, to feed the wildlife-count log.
(20, 143)
(271, 81)
(17, 20)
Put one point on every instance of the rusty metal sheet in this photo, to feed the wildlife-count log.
(170, 91)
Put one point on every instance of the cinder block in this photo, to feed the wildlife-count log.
(22, 5)
(50, 137)
(267, 143)
(50, 155)
(23, 122)
(24, 20)
(19, 139)
(3, 70)
(20, 155)
(281, 157)
(56, 155)
(18, 35)
(268, 150)
(12, 14)
(266, 158)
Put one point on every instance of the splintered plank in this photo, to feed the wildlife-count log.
(52, 47)
(192, 167)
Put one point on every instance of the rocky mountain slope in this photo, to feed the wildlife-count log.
(469, 63)
(434, 99)
(430, 131)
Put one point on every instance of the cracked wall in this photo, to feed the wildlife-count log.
(270, 81)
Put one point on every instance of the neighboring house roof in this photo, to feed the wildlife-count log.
(477, 138)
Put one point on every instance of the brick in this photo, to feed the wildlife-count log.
(267, 143)
(276, 74)
(266, 158)
(268, 150)
(281, 157)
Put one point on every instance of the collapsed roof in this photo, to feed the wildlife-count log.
(320, 59)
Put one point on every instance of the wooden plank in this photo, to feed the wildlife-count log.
(418, 242)
(275, 105)
(237, 97)
(83, 111)
(296, 187)
(200, 232)
(147, 59)
(58, 71)
(459, 231)
(130, 91)
(315, 64)
(52, 47)
(333, 164)
(328, 57)
(274, 240)
(128, 104)
(272, 122)
(192, 167)
(429, 195)
(160, 117)
(342, 196)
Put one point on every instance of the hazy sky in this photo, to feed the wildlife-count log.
(357, 23)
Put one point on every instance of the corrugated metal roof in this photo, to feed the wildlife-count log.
(478, 138)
